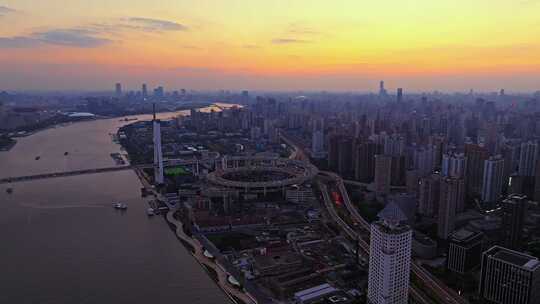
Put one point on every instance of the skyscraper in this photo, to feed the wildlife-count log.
(464, 250)
(382, 90)
(364, 160)
(345, 157)
(429, 195)
(528, 158)
(454, 165)
(158, 155)
(509, 277)
(476, 155)
(493, 179)
(144, 91)
(383, 174)
(389, 257)
(513, 212)
(399, 95)
(424, 160)
(317, 139)
(452, 198)
(118, 90)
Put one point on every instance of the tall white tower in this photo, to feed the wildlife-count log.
(389, 257)
(158, 155)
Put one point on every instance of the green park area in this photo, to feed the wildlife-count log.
(176, 171)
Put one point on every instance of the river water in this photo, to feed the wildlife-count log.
(62, 242)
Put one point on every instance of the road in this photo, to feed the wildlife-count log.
(445, 294)
(439, 289)
(353, 235)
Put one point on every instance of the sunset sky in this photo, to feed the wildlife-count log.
(420, 45)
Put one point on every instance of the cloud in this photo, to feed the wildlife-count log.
(251, 46)
(18, 42)
(298, 29)
(154, 25)
(4, 10)
(72, 37)
(80, 38)
(91, 35)
(289, 41)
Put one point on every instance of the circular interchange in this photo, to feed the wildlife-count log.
(261, 173)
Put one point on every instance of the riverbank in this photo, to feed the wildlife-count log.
(218, 272)
(7, 143)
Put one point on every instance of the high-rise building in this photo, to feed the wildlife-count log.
(429, 189)
(537, 182)
(394, 145)
(493, 179)
(118, 90)
(513, 212)
(159, 92)
(476, 155)
(528, 158)
(317, 139)
(452, 197)
(454, 165)
(158, 155)
(382, 90)
(144, 91)
(345, 157)
(333, 151)
(424, 160)
(398, 170)
(364, 160)
(383, 174)
(510, 154)
(464, 250)
(509, 277)
(399, 95)
(389, 257)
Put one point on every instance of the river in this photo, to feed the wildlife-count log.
(62, 242)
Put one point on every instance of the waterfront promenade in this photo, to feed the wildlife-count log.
(222, 275)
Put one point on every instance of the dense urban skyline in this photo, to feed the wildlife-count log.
(300, 45)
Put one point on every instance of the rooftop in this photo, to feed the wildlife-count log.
(514, 257)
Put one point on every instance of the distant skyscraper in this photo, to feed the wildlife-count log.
(509, 277)
(317, 139)
(452, 198)
(454, 165)
(158, 155)
(364, 160)
(118, 90)
(476, 155)
(493, 179)
(429, 195)
(383, 173)
(394, 145)
(399, 95)
(513, 213)
(382, 90)
(424, 160)
(528, 158)
(333, 151)
(389, 257)
(144, 91)
(345, 157)
(159, 92)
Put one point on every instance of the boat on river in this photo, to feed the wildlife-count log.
(120, 206)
